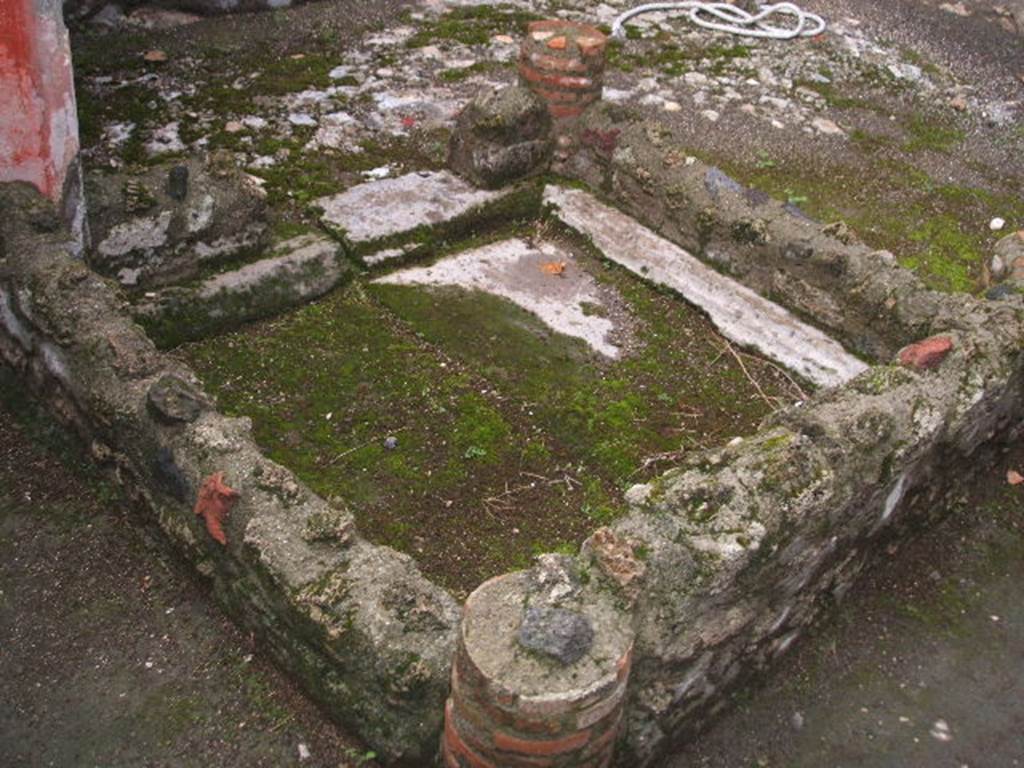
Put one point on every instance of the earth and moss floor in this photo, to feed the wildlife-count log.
(464, 432)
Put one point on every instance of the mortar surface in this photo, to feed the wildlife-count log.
(383, 209)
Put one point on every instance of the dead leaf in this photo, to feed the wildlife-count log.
(553, 267)
(1013, 477)
(155, 56)
(213, 503)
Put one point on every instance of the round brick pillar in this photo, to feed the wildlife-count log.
(563, 63)
(540, 673)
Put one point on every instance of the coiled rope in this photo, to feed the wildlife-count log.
(724, 17)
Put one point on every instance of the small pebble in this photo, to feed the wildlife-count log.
(940, 731)
(997, 224)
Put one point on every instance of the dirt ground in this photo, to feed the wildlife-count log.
(110, 653)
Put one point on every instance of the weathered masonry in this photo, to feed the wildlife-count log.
(602, 657)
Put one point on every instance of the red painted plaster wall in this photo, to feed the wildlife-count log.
(38, 122)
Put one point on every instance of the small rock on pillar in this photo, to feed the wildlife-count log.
(563, 63)
(540, 673)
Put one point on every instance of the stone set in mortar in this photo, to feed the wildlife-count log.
(501, 136)
(166, 226)
(541, 671)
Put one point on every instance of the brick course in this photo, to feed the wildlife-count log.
(563, 63)
(503, 722)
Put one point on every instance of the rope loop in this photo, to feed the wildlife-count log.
(723, 17)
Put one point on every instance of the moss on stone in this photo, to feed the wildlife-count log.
(939, 230)
(473, 25)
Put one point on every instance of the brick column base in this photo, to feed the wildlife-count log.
(563, 63)
(540, 673)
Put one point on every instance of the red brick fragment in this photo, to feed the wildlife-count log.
(456, 747)
(559, 111)
(556, 64)
(214, 501)
(554, 80)
(592, 46)
(509, 743)
(926, 354)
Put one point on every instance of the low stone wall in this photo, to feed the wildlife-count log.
(296, 272)
(820, 272)
(744, 546)
(718, 568)
(357, 624)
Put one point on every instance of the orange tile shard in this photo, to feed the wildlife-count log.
(214, 502)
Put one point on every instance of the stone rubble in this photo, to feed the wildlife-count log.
(782, 84)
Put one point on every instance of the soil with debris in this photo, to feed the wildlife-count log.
(110, 654)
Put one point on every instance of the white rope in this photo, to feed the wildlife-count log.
(724, 17)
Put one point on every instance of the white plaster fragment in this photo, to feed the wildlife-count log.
(226, 244)
(11, 323)
(739, 313)
(295, 255)
(514, 270)
(388, 254)
(165, 140)
(380, 209)
(129, 276)
(894, 498)
(54, 361)
(200, 214)
(136, 234)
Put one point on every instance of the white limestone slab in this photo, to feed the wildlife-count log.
(308, 264)
(390, 207)
(739, 313)
(515, 270)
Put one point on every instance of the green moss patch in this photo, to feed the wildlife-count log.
(938, 230)
(475, 25)
(464, 432)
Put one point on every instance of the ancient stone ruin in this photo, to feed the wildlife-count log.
(864, 398)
